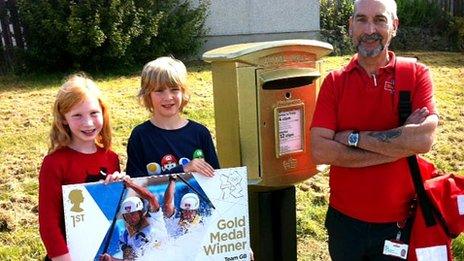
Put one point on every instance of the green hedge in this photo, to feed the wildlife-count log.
(457, 37)
(102, 34)
(423, 26)
(334, 24)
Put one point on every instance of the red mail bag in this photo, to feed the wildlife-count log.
(433, 243)
(446, 193)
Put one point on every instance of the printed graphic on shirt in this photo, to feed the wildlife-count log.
(198, 154)
(210, 219)
(153, 168)
(389, 86)
(183, 161)
(168, 162)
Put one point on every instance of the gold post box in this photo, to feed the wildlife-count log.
(264, 98)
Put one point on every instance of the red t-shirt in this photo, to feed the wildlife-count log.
(350, 99)
(66, 166)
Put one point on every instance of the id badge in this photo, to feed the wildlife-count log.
(460, 199)
(396, 249)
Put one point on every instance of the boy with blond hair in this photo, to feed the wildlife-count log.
(167, 142)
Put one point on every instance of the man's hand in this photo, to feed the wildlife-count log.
(200, 166)
(418, 116)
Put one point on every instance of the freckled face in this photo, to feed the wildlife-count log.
(85, 120)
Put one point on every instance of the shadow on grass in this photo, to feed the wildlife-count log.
(38, 81)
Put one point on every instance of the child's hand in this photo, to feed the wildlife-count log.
(200, 166)
(116, 176)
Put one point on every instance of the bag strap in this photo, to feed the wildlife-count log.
(405, 72)
(405, 78)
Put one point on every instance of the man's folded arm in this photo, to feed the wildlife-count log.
(326, 150)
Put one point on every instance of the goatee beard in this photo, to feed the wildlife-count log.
(370, 53)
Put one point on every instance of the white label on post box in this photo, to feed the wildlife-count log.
(290, 127)
(461, 204)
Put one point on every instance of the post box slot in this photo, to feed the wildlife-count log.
(288, 78)
(288, 83)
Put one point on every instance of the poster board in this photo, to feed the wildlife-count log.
(94, 224)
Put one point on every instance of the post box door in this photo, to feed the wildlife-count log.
(286, 100)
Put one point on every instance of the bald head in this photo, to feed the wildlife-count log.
(390, 6)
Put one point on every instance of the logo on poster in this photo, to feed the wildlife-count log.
(231, 185)
(76, 198)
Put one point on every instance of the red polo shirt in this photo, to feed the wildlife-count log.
(350, 99)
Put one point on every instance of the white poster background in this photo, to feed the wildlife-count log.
(85, 229)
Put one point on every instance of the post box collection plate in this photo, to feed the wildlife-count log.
(289, 128)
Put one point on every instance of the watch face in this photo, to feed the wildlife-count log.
(353, 139)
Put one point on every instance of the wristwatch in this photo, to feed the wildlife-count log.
(353, 139)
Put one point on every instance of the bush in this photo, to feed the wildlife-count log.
(334, 24)
(415, 38)
(457, 32)
(45, 31)
(181, 30)
(423, 26)
(101, 34)
(339, 39)
(422, 14)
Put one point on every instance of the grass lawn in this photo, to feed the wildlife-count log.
(25, 117)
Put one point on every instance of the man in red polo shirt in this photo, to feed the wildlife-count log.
(355, 130)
